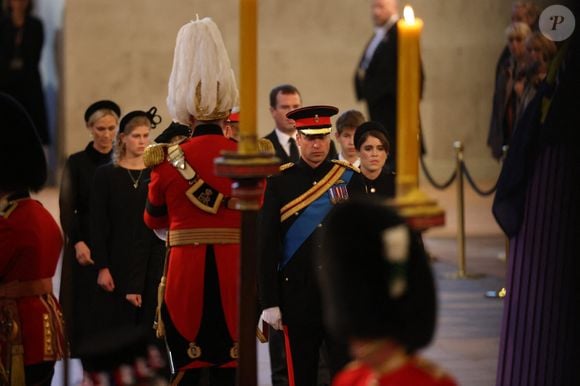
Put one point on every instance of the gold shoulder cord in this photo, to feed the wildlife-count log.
(346, 164)
(286, 166)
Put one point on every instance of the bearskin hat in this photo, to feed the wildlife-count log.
(375, 276)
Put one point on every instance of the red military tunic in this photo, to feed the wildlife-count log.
(170, 206)
(30, 246)
(414, 371)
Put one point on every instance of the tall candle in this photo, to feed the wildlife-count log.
(408, 90)
(248, 71)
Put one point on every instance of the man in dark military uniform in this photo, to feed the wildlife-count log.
(295, 206)
(200, 310)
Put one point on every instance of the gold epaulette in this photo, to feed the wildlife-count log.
(286, 166)
(266, 146)
(346, 164)
(7, 207)
(154, 154)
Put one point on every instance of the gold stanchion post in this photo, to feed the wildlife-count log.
(460, 209)
(248, 167)
(461, 264)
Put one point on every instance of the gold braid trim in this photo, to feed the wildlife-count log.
(286, 166)
(311, 194)
(195, 236)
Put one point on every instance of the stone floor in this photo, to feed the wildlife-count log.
(467, 337)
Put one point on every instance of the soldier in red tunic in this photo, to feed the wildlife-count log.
(199, 311)
(378, 293)
(31, 324)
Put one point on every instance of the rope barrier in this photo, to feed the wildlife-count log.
(449, 181)
(459, 173)
(474, 186)
(442, 186)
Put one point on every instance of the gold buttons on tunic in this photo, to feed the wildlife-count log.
(234, 351)
(194, 351)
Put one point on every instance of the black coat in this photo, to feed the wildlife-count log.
(383, 186)
(377, 86)
(295, 288)
(78, 283)
(19, 69)
(121, 242)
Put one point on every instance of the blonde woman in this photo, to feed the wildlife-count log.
(78, 275)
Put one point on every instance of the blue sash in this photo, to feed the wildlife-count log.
(307, 222)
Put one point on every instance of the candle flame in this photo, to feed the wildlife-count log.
(408, 14)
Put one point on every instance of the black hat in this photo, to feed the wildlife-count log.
(173, 130)
(313, 120)
(102, 105)
(375, 278)
(366, 127)
(22, 161)
(150, 114)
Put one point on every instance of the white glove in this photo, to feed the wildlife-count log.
(273, 317)
(161, 233)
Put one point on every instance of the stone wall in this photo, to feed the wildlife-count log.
(123, 50)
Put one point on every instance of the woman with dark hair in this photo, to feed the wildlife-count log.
(31, 325)
(21, 41)
(372, 145)
(128, 256)
(78, 276)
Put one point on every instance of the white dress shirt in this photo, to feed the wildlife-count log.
(283, 138)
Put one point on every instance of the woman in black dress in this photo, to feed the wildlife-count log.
(127, 255)
(372, 145)
(78, 276)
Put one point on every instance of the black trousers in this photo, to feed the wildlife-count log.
(278, 364)
(305, 344)
(279, 370)
(39, 374)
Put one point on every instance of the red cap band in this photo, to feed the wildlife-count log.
(234, 117)
(315, 121)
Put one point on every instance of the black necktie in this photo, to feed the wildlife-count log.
(294, 154)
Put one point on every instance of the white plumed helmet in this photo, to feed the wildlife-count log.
(202, 82)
